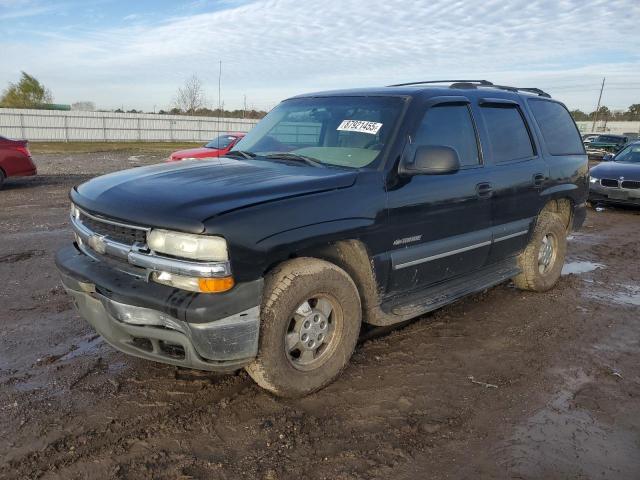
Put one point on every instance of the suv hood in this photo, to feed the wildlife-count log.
(181, 196)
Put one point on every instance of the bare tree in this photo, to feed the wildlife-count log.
(84, 106)
(190, 97)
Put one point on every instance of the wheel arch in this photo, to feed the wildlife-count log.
(563, 207)
(353, 257)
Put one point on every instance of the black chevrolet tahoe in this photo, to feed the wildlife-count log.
(371, 205)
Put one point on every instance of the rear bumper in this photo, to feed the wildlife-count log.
(227, 340)
(26, 170)
(25, 173)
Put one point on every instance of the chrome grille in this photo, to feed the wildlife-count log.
(609, 182)
(631, 184)
(118, 233)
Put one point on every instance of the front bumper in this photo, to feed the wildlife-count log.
(216, 332)
(622, 196)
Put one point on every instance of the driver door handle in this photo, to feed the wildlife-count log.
(538, 179)
(484, 190)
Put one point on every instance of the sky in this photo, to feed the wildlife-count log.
(136, 54)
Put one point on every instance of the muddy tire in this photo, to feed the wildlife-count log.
(541, 262)
(309, 324)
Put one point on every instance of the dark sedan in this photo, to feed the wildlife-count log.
(602, 145)
(617, 178)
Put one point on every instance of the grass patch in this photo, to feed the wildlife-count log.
(96, 147)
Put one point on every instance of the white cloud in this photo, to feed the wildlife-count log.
(275, 48)
(16, 9)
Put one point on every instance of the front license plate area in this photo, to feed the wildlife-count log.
(618, 195)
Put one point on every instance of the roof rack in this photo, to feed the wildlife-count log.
(476, 84)
(480, 82)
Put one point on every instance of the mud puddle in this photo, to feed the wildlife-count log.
(621, 294)
(579, 267)
(562, 441)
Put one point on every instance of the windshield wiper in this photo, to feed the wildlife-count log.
(296, 158)
(240, 153)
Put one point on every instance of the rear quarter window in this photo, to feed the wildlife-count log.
(558, 129)
(508, 133)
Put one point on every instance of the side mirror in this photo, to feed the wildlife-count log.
(608, 157)
(431, 160)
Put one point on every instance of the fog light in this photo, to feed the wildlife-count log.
(194, 284)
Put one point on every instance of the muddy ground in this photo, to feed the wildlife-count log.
(504, 384)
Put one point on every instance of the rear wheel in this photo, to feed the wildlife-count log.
(310, 321)
(541, 262)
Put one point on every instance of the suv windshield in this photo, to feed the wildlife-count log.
(344, 131)
(223, 141)
(631, 154)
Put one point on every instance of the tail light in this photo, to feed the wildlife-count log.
(24, 150)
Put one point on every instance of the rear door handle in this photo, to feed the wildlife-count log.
(484, 190)
(538, 179)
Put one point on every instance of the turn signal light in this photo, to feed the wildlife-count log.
(194, 284)
(215, 285)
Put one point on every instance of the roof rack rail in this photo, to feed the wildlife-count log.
(540, 92)
(537, 91)
(479, 82)
(475, 84)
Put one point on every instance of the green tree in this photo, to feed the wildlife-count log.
(633, 112)
(603, 113)
(579, 115)
(28, 92)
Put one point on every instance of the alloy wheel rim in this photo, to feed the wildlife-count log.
(313, 332)
(547, 253)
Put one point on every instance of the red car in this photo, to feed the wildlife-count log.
(215, 148)
(15, 159)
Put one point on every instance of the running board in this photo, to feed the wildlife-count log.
(419, 303)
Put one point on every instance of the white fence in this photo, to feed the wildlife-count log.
(616, 128)
(61, 126)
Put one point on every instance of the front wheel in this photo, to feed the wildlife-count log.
(310, 321)
(542, 261)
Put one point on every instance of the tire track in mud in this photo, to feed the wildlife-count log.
(21, 256)
(109, 437)
(382, 434)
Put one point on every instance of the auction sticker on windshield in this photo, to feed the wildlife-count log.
(359, 126)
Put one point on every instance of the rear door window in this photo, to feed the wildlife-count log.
(558, 129)
(508, 133)
(451, 126)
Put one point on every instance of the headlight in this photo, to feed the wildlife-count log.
(593, 179)
(184, 245)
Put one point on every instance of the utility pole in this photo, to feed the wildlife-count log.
(219, 86)
(595, 116)
(219, 103)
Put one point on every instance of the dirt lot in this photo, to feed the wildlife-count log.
(560, 398)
